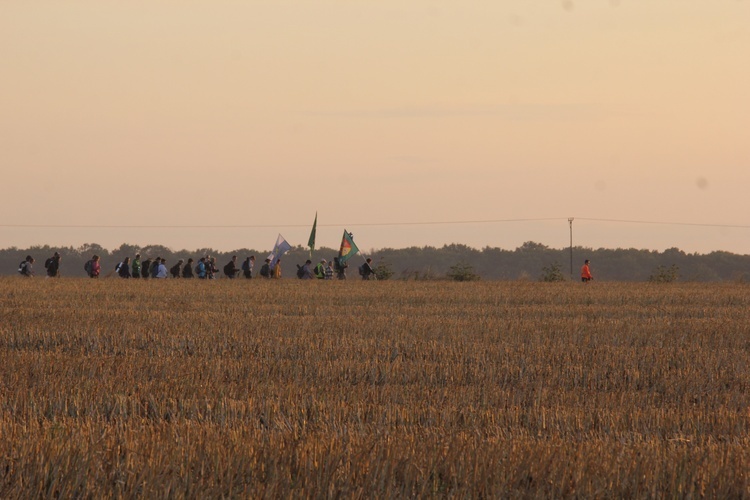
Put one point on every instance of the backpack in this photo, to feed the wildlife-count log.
(88, 267)
(201, 269)
(22, 267)
(246, 266)
(362, 271)
(228, 269)
(48, 262)
(300, 271)
(145, 269)
(265, 271)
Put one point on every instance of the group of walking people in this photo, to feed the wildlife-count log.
(205, 268)
(51, 265)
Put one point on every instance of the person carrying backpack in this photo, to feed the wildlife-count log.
(247, 267)
(187, 271)
(176, 270)
(26, 268)
(304, 272)
(146, 269)
(200, 269)
(230, 269)
(320, 270)
(265, 269)
(93, 267)
(123, 268)
(154, 268)
(365, 270)
(52, 265)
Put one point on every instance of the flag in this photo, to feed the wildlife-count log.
(348, 248)
(311, 241)
(280, 248)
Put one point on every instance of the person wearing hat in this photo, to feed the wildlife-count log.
(320, 269)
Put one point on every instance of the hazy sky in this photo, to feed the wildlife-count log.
(245, 112)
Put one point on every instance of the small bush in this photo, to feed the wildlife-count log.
(552, 273)
(462, 272)
(663, 274)
(383, 270)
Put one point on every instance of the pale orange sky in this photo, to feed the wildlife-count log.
(247, 112)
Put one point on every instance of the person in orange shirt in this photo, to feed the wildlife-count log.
(586, 272)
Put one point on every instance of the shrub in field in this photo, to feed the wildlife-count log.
(462, 272)
(552, 273)
(663, 274)
(383, 270)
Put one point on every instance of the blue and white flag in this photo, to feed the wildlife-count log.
(280, 248)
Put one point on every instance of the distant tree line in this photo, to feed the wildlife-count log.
(531, 261)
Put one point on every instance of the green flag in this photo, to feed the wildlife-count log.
(311, 241)
(348, 248)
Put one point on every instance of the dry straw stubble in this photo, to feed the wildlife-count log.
(237, 388)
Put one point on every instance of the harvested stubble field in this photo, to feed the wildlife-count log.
(256, 389)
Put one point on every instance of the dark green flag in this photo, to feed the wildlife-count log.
(311, 241)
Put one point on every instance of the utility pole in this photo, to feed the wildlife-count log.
(570, 221)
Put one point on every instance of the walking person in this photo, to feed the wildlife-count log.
(329, 271)
(176, 270)
(365, 270)
(340, 268)
(586, 272)
(154, 269)
(211, 268)
(26, 268)
(136, 273)
(53, 266)
(247, 267)
(187, 271)
(93, 267)
(161, 269)
(123, 268)
(306, 273)
(277, 270)
(320, 269)
(230, 268)
(265, 269)
(146, 269)
(201, 269)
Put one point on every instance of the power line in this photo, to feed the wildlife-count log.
(267, 226)
(364, 224)
(665, 223)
